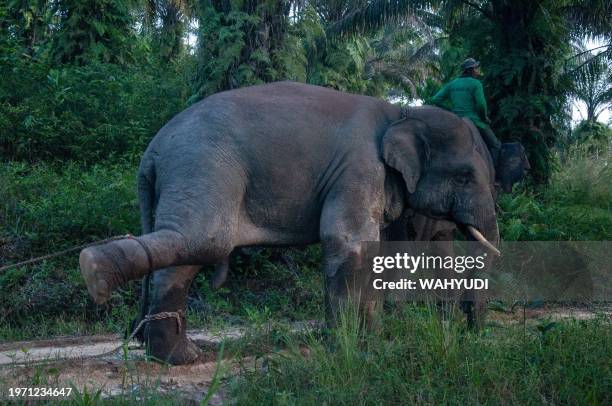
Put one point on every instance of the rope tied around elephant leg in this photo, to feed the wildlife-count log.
(146, 250)
(159, 316)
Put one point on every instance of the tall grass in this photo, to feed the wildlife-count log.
(576, 205)
(416, 358)
(585, 177)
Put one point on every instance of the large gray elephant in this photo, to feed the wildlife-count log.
(413, 226)
(288, 164)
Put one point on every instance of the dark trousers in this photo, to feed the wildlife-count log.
(492, 142)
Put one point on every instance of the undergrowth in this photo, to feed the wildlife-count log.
(414, 358)
(575, 206)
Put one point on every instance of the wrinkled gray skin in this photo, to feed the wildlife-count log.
(413, 226)
(287, 164)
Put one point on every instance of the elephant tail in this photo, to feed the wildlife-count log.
(146, 197)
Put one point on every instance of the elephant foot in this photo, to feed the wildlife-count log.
(181, 352)
(101, 275)
(109, 266)
(168, 343)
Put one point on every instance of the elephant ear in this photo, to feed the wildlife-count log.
(404, 149)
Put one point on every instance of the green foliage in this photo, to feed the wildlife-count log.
(342, 65)
(589, 131)
(90, 31)
(28, 22)
(591, 77)
(86, 113)
(238, 44)
(413, 357)
(576, 205)
(44, 210)
(302, 53)
(166, 21)
(52, 207)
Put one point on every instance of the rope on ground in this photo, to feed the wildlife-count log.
(64, 252)
(151, 317)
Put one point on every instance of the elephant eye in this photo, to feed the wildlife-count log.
(462, 178)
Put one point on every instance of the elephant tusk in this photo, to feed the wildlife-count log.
(481, 239)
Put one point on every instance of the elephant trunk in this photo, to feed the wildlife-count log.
(477, 220)
(487, 234)
(109, 266)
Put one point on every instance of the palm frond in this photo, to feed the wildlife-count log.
(590, 17)
(374, 15)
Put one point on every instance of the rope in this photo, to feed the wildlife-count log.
(63, 252)
(151, 317)
(146, 250)
(158, 316)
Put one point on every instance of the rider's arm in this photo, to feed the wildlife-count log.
(481, 103)
(440, 97)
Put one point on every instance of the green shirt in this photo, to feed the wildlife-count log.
(466, 99)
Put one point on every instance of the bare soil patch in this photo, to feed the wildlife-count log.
(89, 364)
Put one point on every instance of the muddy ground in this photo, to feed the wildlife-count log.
(107, 364)
(101, 363)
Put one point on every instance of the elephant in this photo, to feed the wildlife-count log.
(512, 168)
(286, 164)
(412, 226)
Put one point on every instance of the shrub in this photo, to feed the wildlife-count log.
(86, 113)
(576, 205)
(591, 131)
(45, 209)
(48, 208)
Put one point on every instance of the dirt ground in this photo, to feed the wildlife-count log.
(133, 379)
(101, 363)
(90, 364)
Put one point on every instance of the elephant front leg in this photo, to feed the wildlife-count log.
(474, 306)
(343, 232)
(165, 330)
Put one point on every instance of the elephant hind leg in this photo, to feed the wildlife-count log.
(109, 266)
(166, 338)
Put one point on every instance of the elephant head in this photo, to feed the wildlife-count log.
(447, 171)
(513, 165)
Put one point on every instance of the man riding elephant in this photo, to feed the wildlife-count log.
(466, 97)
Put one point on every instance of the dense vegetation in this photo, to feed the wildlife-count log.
(414, 359)
(86, 84)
